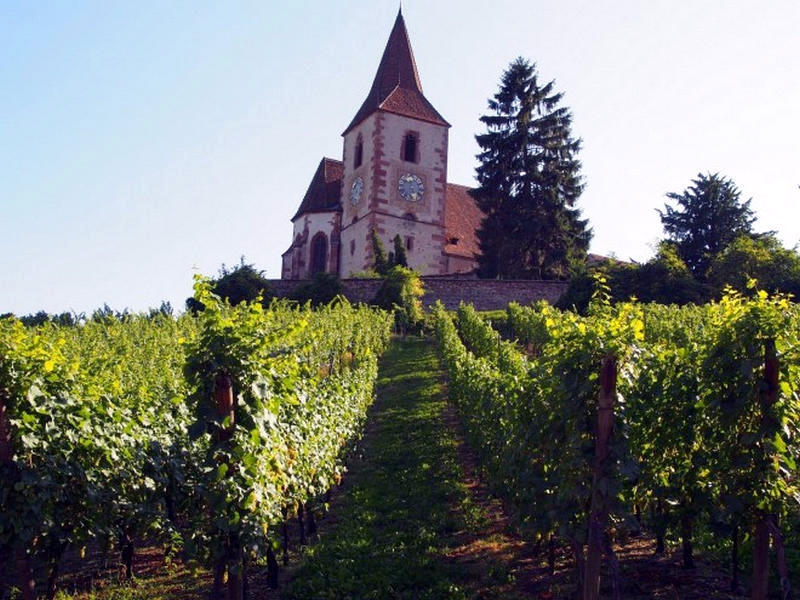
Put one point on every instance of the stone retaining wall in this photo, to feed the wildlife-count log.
(484, 294)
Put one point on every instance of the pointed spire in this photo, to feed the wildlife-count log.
(397, 64)
(397, 87)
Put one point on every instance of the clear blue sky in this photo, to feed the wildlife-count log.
(141, 142)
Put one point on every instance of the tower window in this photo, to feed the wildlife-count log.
(410, 147)
(352, 247)
(409, 243)
(359, 154)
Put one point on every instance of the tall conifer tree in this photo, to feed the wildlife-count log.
(708, 216)
(529, 180)
(400, 256)
(378, 251)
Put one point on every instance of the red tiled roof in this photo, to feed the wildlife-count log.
(594, 260)
(396, 87)
(324, 192)
(462, 219)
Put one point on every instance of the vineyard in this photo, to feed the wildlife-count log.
(206, 434)
(680, 421)
(201, 433)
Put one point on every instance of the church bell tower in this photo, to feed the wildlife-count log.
(395, 168)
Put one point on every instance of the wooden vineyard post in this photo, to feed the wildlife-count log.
(735, 558)
(598, 515)
(27, 583)
(285, 533)
(760, 583)
(780, 552)
(767, 526)
(6, 451)
(223, 397)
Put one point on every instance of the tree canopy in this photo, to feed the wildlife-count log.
(708, 216)
(401, 292)
(381, 265)
(241, 283)
(764, 259)
(399, 257)
(710, 246)
(529, 181)
(322, 289)
(384, 263)
(665, 279)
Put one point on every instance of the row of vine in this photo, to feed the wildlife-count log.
(698, 436)
(112, 430)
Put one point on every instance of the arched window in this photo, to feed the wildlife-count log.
(359, 154)
(319, 253)
(410, 148)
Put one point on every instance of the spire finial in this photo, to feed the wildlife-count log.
(400, 9)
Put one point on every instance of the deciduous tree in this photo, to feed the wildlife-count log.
(775, 268)
(242, 283)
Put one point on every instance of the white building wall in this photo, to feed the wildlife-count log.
(306, 227)
(381, 207)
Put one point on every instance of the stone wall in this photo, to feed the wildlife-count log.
(484, 294)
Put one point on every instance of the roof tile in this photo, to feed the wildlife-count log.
(462, 219)
(397, 88)
(325, 190)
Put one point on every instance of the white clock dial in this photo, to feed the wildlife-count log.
(410, 187)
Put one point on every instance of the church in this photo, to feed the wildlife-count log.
(392, 179)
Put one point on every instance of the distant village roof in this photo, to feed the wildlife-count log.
(595, 260)
(462, 219)
(397, 88)
(325, 190)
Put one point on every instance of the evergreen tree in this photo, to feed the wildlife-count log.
(400, 256)
(529, 180)
(709, 215)
(378, 251)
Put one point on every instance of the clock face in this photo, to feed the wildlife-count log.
(356, 190)
(410, 187)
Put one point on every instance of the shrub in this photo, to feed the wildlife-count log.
(322, 289)
(401, 292)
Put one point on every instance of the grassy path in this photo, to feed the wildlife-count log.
(405, 508)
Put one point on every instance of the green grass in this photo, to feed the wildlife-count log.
(498, 320)
(398, 519)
